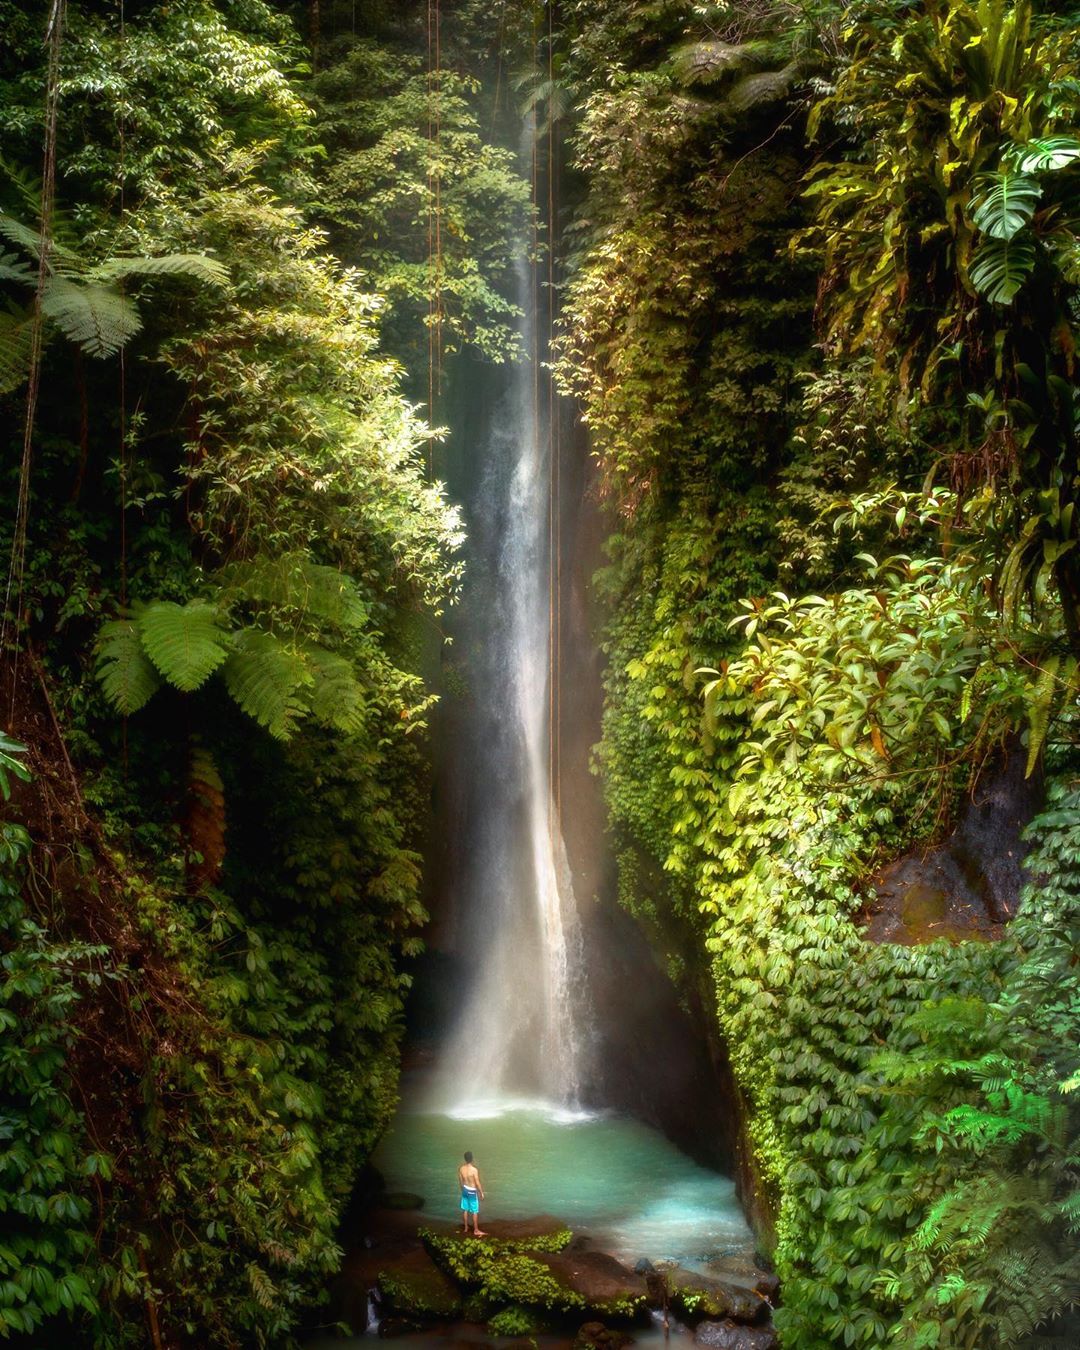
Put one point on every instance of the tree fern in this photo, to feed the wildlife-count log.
(337, 698)
(292, 582)
(266, 677)
(99, 319)
(125, 671)
(186, 643)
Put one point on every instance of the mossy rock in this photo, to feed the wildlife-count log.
(404, 1200)
(698, 1296)
(598, 1283)
(414, 1286)
(515, 1321)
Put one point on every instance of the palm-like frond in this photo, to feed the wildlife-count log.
(99, 319)
(126, 673)
(265, 677)
(186, 643)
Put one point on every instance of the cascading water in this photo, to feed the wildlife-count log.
(523, 1025)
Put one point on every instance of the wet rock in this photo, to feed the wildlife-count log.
(703, 1296)
(596, 1336)
(969, 885)
(729, 1335)
(644, 1267)
(598, 1283)
(745, 1273)
(399, 1200)
(413, 1286)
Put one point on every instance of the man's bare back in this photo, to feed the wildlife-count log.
(472, 1192)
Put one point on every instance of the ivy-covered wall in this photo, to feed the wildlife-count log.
(764, 755)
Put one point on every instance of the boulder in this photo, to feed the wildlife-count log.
(729, 1335)
(413, 1286)
(745, 1273)
(399, 1200)
(596, 1336)
(598, 1283)
(703, 1296)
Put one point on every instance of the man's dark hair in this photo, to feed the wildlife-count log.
(468, 1157)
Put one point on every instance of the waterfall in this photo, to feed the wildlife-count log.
(523, 1025)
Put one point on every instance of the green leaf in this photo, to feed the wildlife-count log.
(1005, 203)
(1001, 267)
(127, 675)
(1045, 154)
(186, 643)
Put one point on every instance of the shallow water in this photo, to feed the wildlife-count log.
(623, 1183)
(464, 1336)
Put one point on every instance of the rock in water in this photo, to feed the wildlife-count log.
(699, 1296)
(596, 1336)
(733, 1336)
(413, 1286)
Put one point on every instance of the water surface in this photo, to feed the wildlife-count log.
(622, 1182)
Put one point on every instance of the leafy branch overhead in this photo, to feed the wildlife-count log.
(274, 669)
(85, 300)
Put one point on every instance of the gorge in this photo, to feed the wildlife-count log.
(541, 618)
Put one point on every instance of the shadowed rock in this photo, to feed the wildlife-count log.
(701, 1296)
(412, 1285)
(733, 1336)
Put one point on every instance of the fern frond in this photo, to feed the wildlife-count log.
(97, 318)
(14, 268)
(127, 677)
(15, 232)
(265, 678)
(194, 266)
(292, 582)
(186, 643)
(15, 330)
(708, 62)
(337, 697)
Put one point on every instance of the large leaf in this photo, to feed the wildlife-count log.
(95, 317)
(126, 673)
(1001, 266)
(265, 677)
(1005, 203)
(1045, 154)
(186, 643)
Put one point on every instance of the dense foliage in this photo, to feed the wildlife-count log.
(766, 751)
(820, 317)
(235, 559)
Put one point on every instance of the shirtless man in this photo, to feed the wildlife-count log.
(472, 1192)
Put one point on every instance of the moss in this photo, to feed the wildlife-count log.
(501, 1271)
(415, 1286)
(514, 1321)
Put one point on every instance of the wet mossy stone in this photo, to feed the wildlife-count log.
(413, 1286)
(399, 1200)
(698, 1296)
(596, 1336)
(729, 1335)
(515, 1271)
(515, 1321)
(604, 1286)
